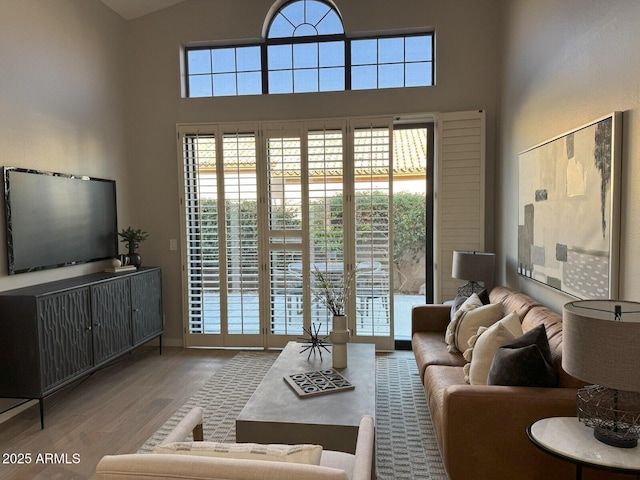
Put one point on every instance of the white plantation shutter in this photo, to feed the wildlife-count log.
(460, 193)
(285, 205)
(201, 226)
(263, 205)
(220, 234)
(373, 172)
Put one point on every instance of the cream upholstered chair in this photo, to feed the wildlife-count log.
(333, 465)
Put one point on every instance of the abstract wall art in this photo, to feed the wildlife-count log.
(568, 211)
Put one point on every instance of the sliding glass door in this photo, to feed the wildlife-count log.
(266, 206)
(285, 242)
(220, 233)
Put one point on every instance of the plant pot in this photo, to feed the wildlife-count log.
(134, 258)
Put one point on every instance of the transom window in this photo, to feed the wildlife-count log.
(305, 18)
(217, 72)
(306, 50)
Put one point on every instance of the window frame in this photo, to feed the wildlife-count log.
(302, 41)
(404, 63)
(317, 39)
(211, 48)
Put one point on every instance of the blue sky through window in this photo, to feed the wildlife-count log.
(305, 18)
(392, 62)
(225, 71)
(296, 63)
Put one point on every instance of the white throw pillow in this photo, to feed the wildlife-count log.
(307, 454)
(484, 345)
(470, 303)
(468, 323)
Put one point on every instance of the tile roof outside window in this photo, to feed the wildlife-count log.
(409, 147)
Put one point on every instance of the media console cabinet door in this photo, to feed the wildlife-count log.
(146, 303)
(111, 305)
(64, 331)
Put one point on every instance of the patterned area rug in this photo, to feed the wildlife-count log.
(405, 439)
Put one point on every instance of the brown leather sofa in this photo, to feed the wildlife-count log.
(481, 429)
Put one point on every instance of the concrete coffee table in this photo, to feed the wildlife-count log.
(276, 414)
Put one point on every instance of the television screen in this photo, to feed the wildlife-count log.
(53, 219)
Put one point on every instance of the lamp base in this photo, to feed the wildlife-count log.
(469, 289)
(613, 414)
(605, 436)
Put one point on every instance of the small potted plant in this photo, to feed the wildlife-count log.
(132, 237)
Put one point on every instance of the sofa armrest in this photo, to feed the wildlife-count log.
(430, 318)
(364, 464)
(191, 423)
(496, 418)
(174, 467)
(140, 466)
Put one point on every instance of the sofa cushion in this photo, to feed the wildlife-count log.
(436, 379)
(468, 320)
(457, 303)
(483, 295)
(552, 322)
(306, 454)
(429, 348)
(526, 362)
(513, 301)
(470, 303)
(340, 460)
(483, 346)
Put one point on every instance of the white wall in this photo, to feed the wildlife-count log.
(61, 103)
(466, 72)
(62, 100)
(566, 63)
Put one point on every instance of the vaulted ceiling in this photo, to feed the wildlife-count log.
(130, 9)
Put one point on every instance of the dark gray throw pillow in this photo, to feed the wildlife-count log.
(457, 303)
(483, 295)
(526, 362)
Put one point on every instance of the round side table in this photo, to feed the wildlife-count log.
(570, 440)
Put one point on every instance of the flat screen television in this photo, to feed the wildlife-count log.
(55, 220)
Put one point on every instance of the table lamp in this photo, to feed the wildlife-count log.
(474, 267)
(601, 345)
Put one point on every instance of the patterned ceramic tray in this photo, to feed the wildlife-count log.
(318, 382)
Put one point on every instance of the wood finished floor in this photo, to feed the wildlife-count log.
(112, 411)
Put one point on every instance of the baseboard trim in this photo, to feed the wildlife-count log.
(16, 410)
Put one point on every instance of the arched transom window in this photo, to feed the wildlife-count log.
(305, 18)
(307, 50)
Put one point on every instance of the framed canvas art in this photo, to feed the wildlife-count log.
(569, 212)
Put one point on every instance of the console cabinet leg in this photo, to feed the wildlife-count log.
(41, 402)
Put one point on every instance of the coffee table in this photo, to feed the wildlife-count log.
(276, 414)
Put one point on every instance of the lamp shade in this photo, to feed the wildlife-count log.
(601, 347)
(473, 266)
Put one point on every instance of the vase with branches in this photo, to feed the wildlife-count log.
(332, 291)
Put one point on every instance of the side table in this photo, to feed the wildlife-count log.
(570, 440)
